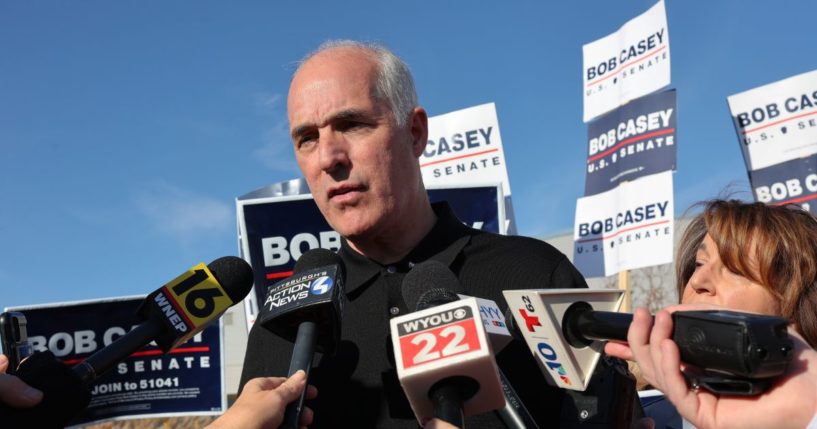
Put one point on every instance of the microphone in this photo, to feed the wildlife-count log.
(494, 321)
(600, 391)
(306, 309)
(514, 414)
(172, 314)
(538, 314)
(750, 346)
(443, 356)
(740, 352)
(176, 312)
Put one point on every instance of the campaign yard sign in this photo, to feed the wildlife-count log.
(790, 182)
(777, 122)
(632, 62)
(189, 380)
(275, 231)
(464, 147)
(628, 227)
(635, 140)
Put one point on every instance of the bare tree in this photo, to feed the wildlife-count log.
(653, 287)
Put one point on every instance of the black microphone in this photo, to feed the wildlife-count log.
(740, 352)
(425, 292)
(455, 387)
(306, 309)
(172, 314)
(177, 311)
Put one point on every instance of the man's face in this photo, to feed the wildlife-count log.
(361, 168)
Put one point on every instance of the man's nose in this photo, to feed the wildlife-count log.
(333, 152)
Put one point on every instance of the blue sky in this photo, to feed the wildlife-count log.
(127, 129)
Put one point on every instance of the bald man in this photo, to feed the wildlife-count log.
(358, 132)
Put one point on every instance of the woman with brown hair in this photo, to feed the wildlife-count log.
(752, 257)
(746, 257)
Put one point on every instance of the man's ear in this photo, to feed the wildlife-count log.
(418, 126)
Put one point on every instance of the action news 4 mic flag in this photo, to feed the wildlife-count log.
(275, 231)
(189, 380)
(632, 62)
(635, 140)
(625, 228)
(777, 122)
(790, 182)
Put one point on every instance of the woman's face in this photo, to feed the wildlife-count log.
(713, 283)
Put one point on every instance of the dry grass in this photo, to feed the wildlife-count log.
(158, 423)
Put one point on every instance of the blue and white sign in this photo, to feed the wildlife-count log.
(777, 122)
(628, 227)
(189, 380)
(790, 182)
(464, 148)
(635, 140)
(630, 63)
(480, 207)
(275, 231)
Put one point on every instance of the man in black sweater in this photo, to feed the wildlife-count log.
(358, 133)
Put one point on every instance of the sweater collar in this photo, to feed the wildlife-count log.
(443, 243)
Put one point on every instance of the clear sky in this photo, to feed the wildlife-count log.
(127, 129)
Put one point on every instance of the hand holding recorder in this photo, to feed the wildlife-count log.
(15, 392)
(790, 401)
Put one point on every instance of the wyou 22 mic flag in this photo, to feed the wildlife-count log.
(274, 231)
(777, 122)
(189, 380)
(635, 140)
(790, 182)
(627, 227)
(632, 62)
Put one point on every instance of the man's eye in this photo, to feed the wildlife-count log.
(306, 141)
(348, 125)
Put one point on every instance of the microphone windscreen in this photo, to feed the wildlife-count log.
(513, 328)
(428, 284)
(436, 297)
(234, 275)
(319, 257)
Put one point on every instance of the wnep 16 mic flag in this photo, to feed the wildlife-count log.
(169, 316)
(177, 311)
